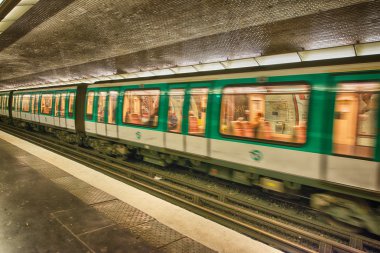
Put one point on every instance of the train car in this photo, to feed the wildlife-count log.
(52, 109)
(281, 132)
(4, 105)
(283, 129)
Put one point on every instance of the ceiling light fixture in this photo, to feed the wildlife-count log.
(368, 48)
(144, 74)
(278, 59)
(129, 75)
(183, 69)
(163, 72)
(242, 63)
(327, 53)
(208, 66)
(15, 13)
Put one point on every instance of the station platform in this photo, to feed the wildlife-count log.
(52, 204)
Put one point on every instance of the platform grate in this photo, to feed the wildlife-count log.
(70, 183)
(92, 195)
(49, 171)
(186, 245)
(156, 234)
(123, 214)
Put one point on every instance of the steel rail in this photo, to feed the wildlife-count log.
(214, 207)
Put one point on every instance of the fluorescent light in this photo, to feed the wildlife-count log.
(163, 72)
(368, 48)
(242, 63)
(115, 77)
(83, 81)
(184, 69)
(4, 25)
(144, 74)
(17, 12)
(27, 2)
(104, 78)
(208, 66)
(129, 75)
(20, 9)
(327, 53)
(278, 59)
(92, 80)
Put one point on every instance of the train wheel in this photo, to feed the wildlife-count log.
(339, 225)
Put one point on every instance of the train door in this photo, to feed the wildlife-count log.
(112, 112)
(19, 106)
(32, 98)
(101, 112)
(27, 107)
(36, 107)
(2, 98)
(70, 109)
(90, 125)
(355, 136)
(197, 108)
(174, 137)
(62, 110)
(15, 106)
(13, 109)
(57, 100)
(23, 100)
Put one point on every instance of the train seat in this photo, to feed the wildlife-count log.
(193, 124)
(237, 127)
(134, 118)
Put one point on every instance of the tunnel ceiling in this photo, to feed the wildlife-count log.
(75, 39)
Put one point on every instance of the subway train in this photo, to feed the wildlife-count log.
(283, 129)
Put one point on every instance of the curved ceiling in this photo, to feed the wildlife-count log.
(67, 39)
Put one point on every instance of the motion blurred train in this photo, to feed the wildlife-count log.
(284, 130)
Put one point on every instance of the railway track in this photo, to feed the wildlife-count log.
(273, 227)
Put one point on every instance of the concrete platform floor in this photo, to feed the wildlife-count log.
(59, 208)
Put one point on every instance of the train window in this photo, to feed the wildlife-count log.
(18, 103)
(101, 106)
(62, 106)
(197, 111)
(36, 103)
(90, 105)
(56, 105)
(46, 103)
(32, 103)
(71, 104)
(355, 119)
(112, 105)
(274, 113)
(25, 103)
(176, 98)
(140, 107)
